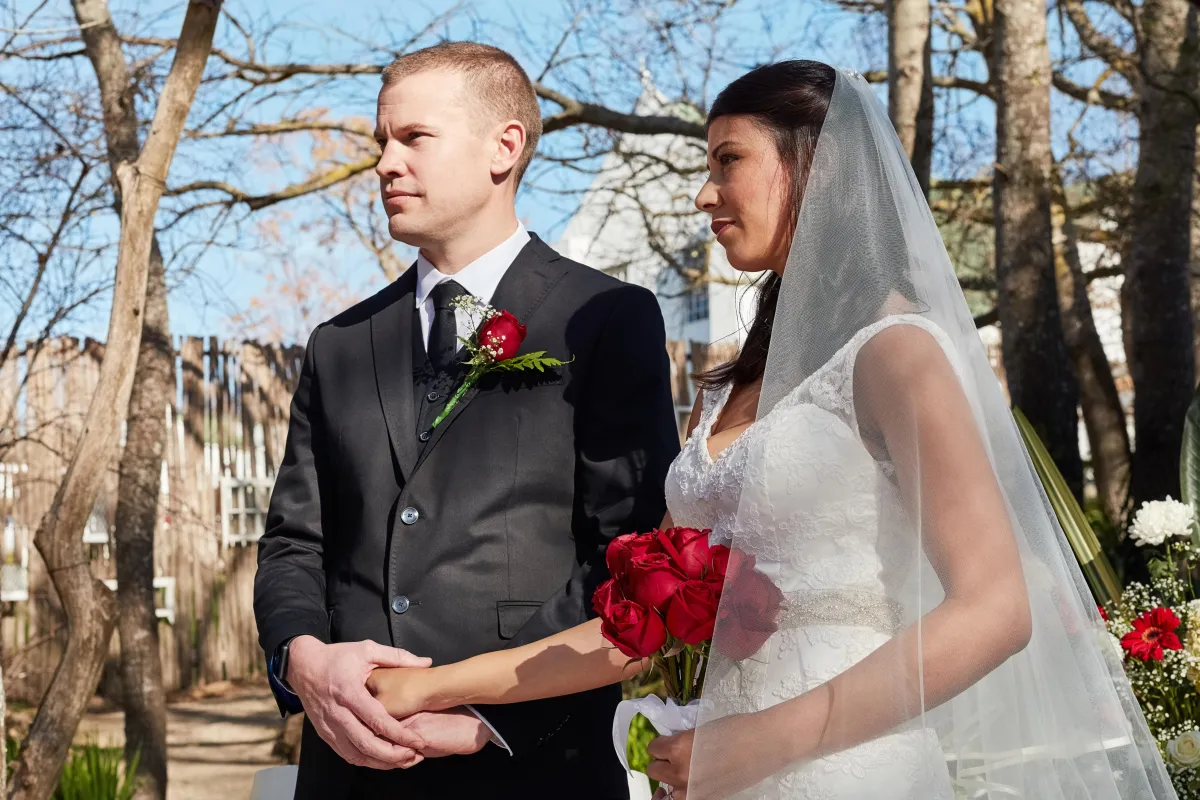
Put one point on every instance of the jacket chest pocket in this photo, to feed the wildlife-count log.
(511, 615)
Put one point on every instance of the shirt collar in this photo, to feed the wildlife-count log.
(481, 276)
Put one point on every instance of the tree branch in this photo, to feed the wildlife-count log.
(1093, 95)
(326, 180)
(1104, 47)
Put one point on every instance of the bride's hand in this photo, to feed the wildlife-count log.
(672, 759)
(402, 691)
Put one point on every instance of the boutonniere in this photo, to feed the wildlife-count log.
(493, 347)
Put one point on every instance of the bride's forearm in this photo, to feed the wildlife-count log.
(571, 661)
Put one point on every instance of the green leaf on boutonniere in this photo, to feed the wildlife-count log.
(539, 361)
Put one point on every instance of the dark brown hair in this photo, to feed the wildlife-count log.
(789, 99)
(494, 77)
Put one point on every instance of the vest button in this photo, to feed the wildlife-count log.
(400, 604)
(409, 516)
(424, 437)
(432, 397)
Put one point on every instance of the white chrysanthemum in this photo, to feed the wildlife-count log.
(1159, 520)
(1184, 749)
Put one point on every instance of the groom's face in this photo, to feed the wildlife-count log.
(434, 168)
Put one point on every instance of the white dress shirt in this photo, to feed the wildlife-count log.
(480, 278)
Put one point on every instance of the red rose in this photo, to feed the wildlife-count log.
(692, 611)
(624, 548)
(651, 580)
(688, 548)
(636, 632)
(606, 596)
(750, 608)
(718, 564)
(1153, 632)
(502, 335)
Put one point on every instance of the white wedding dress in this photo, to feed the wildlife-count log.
(814, 509)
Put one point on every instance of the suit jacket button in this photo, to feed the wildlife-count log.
(400, 604)
(424, 437)
(409, 516)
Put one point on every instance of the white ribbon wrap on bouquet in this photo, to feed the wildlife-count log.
(667, 718)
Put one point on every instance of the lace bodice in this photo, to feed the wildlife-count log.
(799, 490)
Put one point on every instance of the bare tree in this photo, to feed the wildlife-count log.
(910, 82)
(141, 460)
(1041, 380)
(1103, 415)
(89, 606)
(1162, 70)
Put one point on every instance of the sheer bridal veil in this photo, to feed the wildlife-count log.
(1026, 699)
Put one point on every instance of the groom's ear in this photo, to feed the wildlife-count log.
(510, 147)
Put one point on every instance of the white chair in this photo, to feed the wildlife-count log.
(274, 783)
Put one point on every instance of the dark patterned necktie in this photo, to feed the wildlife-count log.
(443, 333)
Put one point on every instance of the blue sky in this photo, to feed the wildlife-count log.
(225, 278)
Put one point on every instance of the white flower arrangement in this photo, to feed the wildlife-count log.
(1184, 749)
(1159, 520)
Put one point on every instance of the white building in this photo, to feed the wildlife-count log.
(638, 222)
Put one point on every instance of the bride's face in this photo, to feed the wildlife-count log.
(746, 194)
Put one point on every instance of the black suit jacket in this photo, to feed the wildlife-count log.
(490, 535)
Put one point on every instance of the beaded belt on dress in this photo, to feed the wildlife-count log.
(855, 607)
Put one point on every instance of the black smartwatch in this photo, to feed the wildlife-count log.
(281, 664)
(287, 699)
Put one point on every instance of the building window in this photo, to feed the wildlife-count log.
(244, 509)
(164, 597)
(697, 303)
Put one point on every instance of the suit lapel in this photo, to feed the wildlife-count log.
(522, 289)
(391, 332)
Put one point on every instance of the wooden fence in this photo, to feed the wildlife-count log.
(227, 427)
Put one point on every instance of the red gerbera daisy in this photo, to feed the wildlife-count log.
(1153, 632)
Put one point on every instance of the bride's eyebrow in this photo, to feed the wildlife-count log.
(716, 151)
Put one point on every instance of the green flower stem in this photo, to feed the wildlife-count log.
(471, 380)
(689, 663)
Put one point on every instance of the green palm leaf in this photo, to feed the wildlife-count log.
(1095, 565)
(1189, 462)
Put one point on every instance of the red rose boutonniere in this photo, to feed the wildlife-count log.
(493, 348)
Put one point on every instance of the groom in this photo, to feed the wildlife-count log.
(389, 539)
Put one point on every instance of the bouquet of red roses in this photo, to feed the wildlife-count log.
(664, 600)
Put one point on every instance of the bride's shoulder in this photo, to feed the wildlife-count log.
(904, 353)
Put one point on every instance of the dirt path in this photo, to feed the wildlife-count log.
(215, 744)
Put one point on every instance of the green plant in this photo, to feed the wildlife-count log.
(641, 733)
(94, 773)
(1189, 462)
(1095, 564)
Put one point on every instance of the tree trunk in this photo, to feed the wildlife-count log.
(1195, 257)
(910, 84)
(89, 607)
(1041, 381)
(1102, 413)
(1162, 361)
(4, 733)
(145, 701)
(140, 470)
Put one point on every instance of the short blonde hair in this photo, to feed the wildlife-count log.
(494, 78)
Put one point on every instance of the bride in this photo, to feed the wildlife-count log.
(937, 640)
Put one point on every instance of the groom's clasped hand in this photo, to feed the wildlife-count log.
(338, 685)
